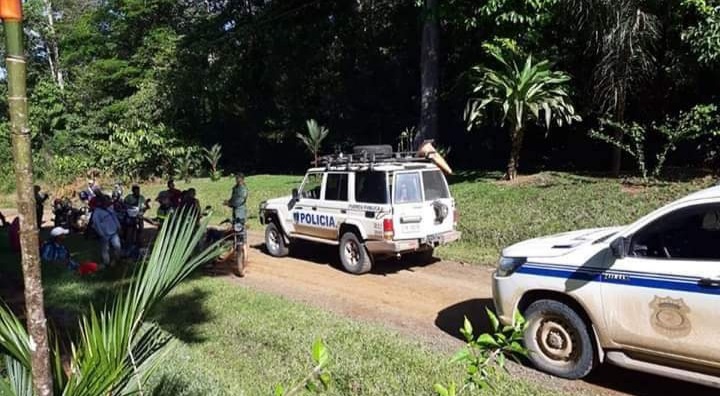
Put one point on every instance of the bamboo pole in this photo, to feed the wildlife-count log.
(11, 14)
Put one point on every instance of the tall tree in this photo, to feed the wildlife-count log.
(530, 92)
(11, 14)
(622, 37)
(52, 46)
(429, 71)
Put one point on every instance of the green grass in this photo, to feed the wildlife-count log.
(234, 341)
(493, 214)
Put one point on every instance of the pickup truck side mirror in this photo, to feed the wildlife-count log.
(295, 193)
(619, 247)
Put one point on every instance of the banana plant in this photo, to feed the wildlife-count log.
(116, 349)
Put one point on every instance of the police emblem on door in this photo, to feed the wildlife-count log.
(669, 317)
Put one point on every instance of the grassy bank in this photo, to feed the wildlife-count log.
(234, 341)
(495, 214)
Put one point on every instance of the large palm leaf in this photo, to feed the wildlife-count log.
(116, 350)
(521, 93)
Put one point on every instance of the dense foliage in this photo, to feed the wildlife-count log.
(142, 87)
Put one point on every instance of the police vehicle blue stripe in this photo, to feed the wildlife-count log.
(656, 282)
(625, 272)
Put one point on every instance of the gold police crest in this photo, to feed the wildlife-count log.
(669, 317)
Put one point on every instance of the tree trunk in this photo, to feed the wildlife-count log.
(17, 104)
(516, 140)
(53, 47)
(616, 159)
(430, 75)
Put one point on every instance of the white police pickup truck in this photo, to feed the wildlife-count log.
(645, 296)
(371, 203)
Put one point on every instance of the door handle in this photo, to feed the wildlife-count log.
(710, 282)
(314, 208)
(343, 211)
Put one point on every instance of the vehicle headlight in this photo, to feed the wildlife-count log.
(508, 265)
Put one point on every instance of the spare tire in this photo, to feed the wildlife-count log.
(378, 149)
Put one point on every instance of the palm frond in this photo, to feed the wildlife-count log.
(531, 93)
(115, 348)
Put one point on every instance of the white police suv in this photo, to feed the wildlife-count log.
(645, 296)
(370, 203)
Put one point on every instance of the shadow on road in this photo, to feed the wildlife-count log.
(451, 319)
(322, 254)
(614, 378)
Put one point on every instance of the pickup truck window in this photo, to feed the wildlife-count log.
(689, 233)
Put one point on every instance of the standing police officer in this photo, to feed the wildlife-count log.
(238, 198)
(238, 201)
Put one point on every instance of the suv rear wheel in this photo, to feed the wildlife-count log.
(559, 340)
(275, 241)
(354, 256)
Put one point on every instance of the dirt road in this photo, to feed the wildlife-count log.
(425, 301)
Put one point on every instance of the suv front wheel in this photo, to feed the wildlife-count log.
(354, 256)
(275, 241)
(559, 340)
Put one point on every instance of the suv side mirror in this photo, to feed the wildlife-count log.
(618, 247)
(295, 193)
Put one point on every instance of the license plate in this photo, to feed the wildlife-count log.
(411, 228)
(435, 238)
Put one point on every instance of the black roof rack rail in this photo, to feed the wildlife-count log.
(370, 159)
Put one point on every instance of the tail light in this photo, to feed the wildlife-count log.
(388, 229)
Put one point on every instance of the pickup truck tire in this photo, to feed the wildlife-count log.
(559, 340)
(275, 241)
(354, 256)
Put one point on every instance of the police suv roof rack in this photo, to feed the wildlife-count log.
(370, 159)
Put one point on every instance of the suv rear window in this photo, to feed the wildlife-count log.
(371, 187)
(407, 188)
(435, 187)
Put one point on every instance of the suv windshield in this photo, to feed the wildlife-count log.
(371, 187)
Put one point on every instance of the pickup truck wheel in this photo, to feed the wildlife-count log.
(559, 340)
(274, 241)
(354, 255)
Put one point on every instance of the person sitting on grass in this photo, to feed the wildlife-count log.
(55, 252)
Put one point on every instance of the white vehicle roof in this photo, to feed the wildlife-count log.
(383, 167)
(708, 193)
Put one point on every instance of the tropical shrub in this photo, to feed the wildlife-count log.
(485, 354)
(213, 155)
(525, 93)
(313, 140)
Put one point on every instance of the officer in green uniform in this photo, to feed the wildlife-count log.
(238, 199)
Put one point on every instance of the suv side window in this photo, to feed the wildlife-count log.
(689, 233)
(312, 185)
(336, 187)
(434, 186)
(407, 188)
(371, 187)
